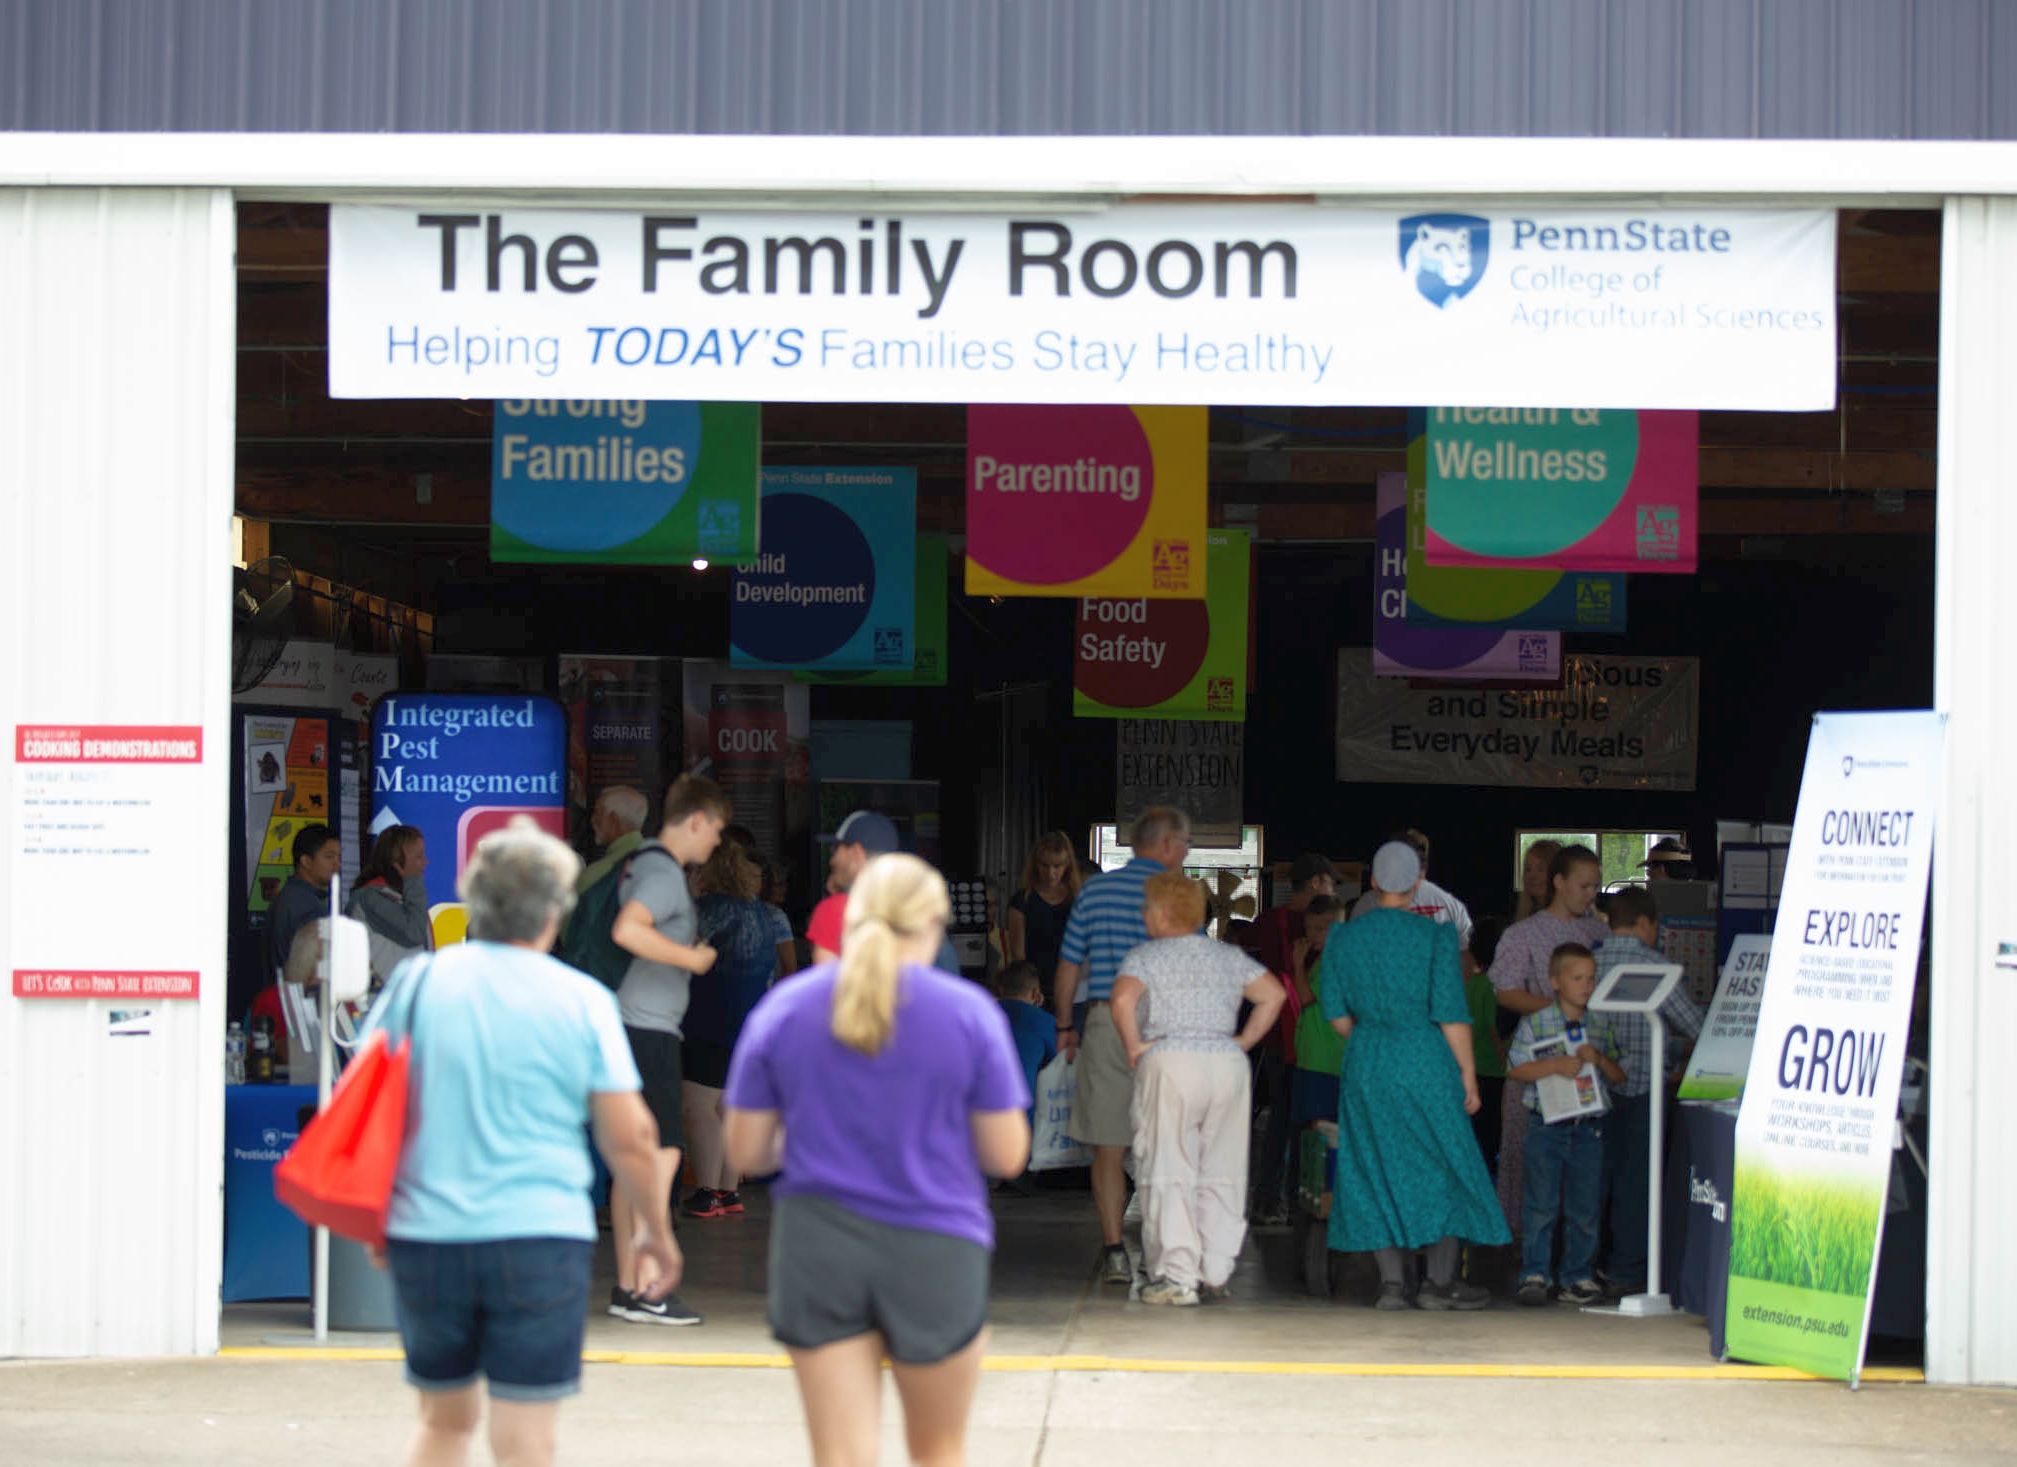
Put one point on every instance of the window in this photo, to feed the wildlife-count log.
(1622, 852)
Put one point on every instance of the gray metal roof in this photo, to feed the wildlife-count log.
(1625, 68)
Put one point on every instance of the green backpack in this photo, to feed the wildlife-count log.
(586, 942)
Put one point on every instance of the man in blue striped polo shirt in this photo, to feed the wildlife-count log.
(1106, 925)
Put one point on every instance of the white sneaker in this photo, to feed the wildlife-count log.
(1163, 1291)
(1134, 1212)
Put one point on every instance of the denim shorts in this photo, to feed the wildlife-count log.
(511, 1310)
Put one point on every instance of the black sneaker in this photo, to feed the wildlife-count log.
(705, 1202)
(1585, 1291)
(1115, 1265)
(1533, 1292)
(669, 1310)
(1456, 1294)
(1214, 1293)
(619, 1302)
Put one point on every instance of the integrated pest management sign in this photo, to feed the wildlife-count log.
(1141, 303)
(1814, 1136)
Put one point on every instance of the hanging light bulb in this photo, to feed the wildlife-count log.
(700, 563)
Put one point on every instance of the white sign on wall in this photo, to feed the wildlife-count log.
(1139, 304)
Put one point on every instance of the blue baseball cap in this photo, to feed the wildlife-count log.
(874, 833)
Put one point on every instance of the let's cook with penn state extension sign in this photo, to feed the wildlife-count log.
(1236, 303)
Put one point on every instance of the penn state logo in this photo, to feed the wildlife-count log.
(1445, 254)
(1848, 765)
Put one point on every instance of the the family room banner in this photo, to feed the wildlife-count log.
(927, 669)
(1562, 489)
(1615, 723)
(624, 483)
(460, 765)
(1814, 1137)
(1452, 653)
(1231, 301)
(1169, 659)
(1086, 501)
(835, 586)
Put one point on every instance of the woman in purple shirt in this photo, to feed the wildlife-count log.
(884, 1093)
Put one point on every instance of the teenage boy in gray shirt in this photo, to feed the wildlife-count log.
(655, 924)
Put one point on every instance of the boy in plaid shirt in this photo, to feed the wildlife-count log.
(1565, 1160)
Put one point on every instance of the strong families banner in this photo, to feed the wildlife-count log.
(624, 483)
(1820, 1104)
(1254, 303)
(1565, 490)
(835, 584)
(927, 669)
(1615, 723)
(1086, 501)
(1722, 1055)
(1169, 659)
(1530, 600)
(1451, 653)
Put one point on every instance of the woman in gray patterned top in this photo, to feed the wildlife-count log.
(1175, 1006)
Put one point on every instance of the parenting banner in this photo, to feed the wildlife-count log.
(624, 483)
(1814, 1137)
(1449, 653)
(1086, 501)
(836, 584)
(1562, 489)
(1169, 659)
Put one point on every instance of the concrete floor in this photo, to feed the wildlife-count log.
(1112, 1382)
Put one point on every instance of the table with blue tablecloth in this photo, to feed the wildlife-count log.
(266, 1247)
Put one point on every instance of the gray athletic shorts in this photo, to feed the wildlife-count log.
(836, 1275)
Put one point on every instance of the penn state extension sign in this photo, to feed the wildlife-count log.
(1086, 501)
(1138, 658)
(835, 586)
(1237, 303)
(623, 483)
(1814, 1137)
(460, 765)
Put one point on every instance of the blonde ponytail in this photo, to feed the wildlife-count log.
(894, 897)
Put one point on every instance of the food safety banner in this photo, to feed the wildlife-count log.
(1230, 302)
(835, 586)
(1451, 653)
(1562, 489)
(1615, 723)
(928, 656)
(1086, 501)
(624, 483)
(461, 765)
(1169, 659)
(1814, 1137)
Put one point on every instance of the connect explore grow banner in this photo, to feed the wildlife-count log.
(1561, 489)
(835, 586)
(1815, 1133)
(1086, 501)
(1169, 659)
(624, 483)
(1229, 302)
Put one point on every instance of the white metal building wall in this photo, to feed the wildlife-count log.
(116, 410)
(1971, 1268)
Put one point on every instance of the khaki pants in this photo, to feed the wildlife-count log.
(1191, 1133)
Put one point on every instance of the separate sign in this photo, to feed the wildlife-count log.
(1255, 303)
(1086, 501)
(1561, 489)
(1722, 1055)
(624, 483)
(1620, 723)
(621, 715)
(1198, 767)
(1450, 653)
(1532, 600)
(928, 657)
(460, 765)
(1169, 659)
(99, 809)
(835, 583)
(1815, 1134)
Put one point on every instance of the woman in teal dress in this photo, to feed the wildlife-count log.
(1409, 1172)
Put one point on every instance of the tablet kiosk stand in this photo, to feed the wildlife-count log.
(1641, 988)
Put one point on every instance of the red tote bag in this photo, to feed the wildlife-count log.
(339, 1174)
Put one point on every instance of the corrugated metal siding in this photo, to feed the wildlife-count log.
(116, 410)
(1622, 68)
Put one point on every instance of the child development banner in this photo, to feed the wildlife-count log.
(836, 582)
(1169, 659)
(1086, 501)
(1562, 489)
(1815, 1133)
(1234, 303)
(927, 669)
(1449, 654)
(624, 483)
(1615, 723)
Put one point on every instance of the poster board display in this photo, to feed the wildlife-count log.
(1722, 1054)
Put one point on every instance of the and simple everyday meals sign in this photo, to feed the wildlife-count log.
(1138, 303)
